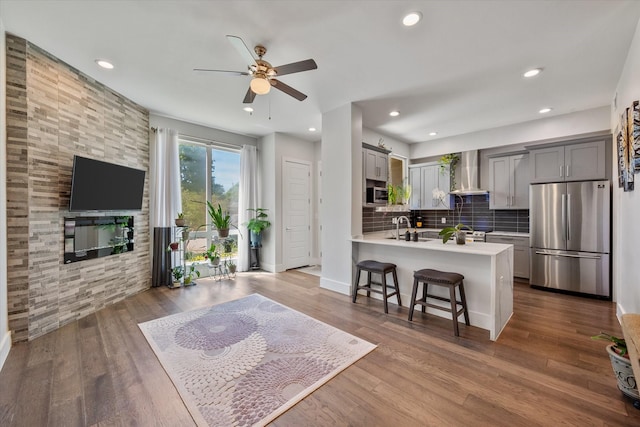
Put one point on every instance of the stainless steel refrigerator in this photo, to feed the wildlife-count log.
(570, 229)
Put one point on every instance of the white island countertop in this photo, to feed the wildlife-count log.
(477, 248)
(487, 270)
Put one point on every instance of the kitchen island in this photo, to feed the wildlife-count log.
(487, 270)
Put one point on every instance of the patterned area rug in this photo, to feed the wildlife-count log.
(247, 361)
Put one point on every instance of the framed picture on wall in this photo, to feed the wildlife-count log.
(634, 135)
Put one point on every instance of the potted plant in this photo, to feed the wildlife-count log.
(257, 225)
(460, 231)
(231, 266)
(188, 277)
(450, 160)
(180, 221)
(617, 350)
(173, 246)
(177, 275)
(221, 221)
(213, 255)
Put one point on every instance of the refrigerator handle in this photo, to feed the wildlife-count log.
(568, 216)
(564, 216)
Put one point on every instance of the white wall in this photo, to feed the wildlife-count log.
(5, 334)
(581, 122)
(626, 206)
(202, 132)
(341, 210)
(272, 150)
(267, 199)
(372, 137)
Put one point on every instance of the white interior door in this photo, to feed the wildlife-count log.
(296, 203)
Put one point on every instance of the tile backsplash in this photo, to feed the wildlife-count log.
(470, 210)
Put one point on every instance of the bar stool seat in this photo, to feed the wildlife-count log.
(381, 268)
(428, 277)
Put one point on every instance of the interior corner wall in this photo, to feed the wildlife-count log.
(341, 209)
(626, 205)
(268, 193)
(53, 113)
(5, 334)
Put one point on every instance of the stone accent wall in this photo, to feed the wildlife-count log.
(54, 112)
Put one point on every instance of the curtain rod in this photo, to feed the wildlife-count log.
(203, 140)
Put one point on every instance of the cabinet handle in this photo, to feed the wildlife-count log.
(568, 170)
(561, 174)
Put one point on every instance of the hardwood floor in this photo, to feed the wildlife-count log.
(543, 370)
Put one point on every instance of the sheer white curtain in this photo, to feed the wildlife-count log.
(164, 180)
(247, 199)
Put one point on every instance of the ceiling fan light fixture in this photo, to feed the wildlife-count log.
(411, 19)
(260, 85)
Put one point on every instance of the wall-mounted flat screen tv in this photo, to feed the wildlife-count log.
(102, 186)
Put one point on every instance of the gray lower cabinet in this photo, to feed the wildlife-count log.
(521, 252)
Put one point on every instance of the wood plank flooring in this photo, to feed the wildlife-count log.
(543, 370)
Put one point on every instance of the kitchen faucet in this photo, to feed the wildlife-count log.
(398, 221)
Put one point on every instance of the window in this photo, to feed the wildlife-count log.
(208, 173)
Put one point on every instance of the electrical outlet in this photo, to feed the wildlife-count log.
(443, 220)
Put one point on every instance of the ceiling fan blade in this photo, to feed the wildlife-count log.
(288, 90)
(296, 67)
(237, 73)
(249, 97)
(242, 49)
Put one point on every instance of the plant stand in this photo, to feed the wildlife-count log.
(254, 260)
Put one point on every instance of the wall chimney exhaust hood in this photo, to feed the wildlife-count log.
(467, 182)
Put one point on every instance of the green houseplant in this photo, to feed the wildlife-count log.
(460, 231)
(188, 276)
(450, 160)
(177, 274)
(257, 225)
(220, 220)
(180, 220)
(213, 255)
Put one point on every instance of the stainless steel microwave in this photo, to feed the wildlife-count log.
(377, 195)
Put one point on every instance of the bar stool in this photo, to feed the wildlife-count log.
(440, 278)
(381, 268)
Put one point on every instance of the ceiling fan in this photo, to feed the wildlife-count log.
(263, 74)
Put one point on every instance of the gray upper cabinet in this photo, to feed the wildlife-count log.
(573, 162)
(424, 179)
(415, 201)
(376, 165)
(509, 182)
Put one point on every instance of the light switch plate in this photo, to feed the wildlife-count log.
(443, 220)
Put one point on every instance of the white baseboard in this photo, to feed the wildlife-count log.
(5, 346)
(332, 285)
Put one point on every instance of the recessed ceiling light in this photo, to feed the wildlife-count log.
(104, 64)
(312, 129)
(411, 19)
(533, 72)
(545, 110)
(248, 109)
(433, 133)
(394, 113)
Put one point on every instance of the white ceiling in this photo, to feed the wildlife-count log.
(458, 71)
